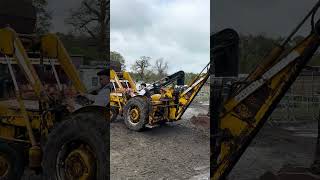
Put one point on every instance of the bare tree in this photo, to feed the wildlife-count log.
(93, 18)
(140, 66)
(161, 67)
(44, 16)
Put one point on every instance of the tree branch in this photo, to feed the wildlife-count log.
(90, 32)
(85, 22)
(92, 10)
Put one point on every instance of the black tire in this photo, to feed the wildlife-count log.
(142, 106)
(89, 129)
(113, 113)
(16, 162)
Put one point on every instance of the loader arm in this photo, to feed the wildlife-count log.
(11, 46)
(127, 76)
(52, 47)
(114, 76)
(244, 113)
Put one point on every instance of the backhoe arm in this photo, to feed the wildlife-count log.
(177, 77)
(244, 113)
(188, 95)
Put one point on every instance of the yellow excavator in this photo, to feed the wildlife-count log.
(63, 143)
(168, 100)
(239, 111)
(40, 129)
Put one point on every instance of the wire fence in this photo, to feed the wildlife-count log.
(302, 101)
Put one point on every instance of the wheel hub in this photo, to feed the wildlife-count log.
(134, 115)
(80, 164)
(4, 166)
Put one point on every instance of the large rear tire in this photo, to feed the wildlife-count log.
(78, 148)
(11, 162)
(136, 113)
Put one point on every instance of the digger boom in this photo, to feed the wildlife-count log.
(244, 113)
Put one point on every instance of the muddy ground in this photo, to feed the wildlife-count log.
(277, 145)
(181, 151)
(173, 151)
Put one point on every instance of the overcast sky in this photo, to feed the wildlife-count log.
(273, 17)
(176, 30)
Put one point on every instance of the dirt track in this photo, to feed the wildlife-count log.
(173, 151)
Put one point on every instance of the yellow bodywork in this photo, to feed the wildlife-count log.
(53, 48)
(29, 115)
(246, 111)
(11, 47)
(165, 106)
(119, 88)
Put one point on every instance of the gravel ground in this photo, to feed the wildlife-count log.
(173, 151)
